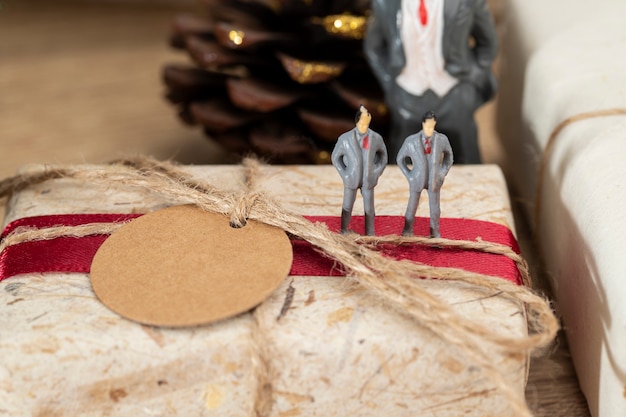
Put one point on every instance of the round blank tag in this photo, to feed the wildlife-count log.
(182, 266)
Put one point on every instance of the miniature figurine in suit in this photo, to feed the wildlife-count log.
(433, 55)
(360, 157)
(425, 159)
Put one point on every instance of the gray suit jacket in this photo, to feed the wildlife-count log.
(462, 19)
(359, 168)
(427, 171)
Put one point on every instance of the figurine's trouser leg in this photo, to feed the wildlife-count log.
(435, 213)
(411, 209)
(455, 119)
(368, 205)
(406, 116)
(349, 196)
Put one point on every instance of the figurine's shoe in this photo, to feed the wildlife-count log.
(369, 225)
(345, 221)
(408, 228)
(434, 233)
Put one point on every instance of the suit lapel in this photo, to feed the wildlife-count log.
(450, 11)
(420, 140)
(422, 136)
(435, 144)
(394, 14)
(450, 7)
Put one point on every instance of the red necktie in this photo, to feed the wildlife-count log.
(366, 142)
(422, 14)
(427, 146)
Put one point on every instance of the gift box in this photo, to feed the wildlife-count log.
(562, 117)
(319, 345)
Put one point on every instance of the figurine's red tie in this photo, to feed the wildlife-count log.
(366, 142)
(422, 14)
(427, 146)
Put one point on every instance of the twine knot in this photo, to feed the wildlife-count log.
(242, 207)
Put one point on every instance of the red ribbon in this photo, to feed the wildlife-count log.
(70, 254)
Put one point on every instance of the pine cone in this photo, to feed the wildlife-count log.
(282, 79)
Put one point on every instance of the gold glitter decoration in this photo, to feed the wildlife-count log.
(322, 157)
(344, 25)
(311, 72)
(236, 36)
(275, 5)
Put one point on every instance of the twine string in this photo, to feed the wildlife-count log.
(547, 151)
(487, 247)
(393, 281)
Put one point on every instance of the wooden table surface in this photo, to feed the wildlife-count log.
(80, 82)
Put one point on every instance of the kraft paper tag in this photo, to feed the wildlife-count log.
(182, 266)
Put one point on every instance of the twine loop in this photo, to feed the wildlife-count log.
(244, 202)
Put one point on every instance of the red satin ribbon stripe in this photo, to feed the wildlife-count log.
(63, 254)
(70, 254)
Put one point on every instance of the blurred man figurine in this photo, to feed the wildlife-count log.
(425, 159)
(433, 54)
(360, 157)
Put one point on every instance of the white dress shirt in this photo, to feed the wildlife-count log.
(424, 67)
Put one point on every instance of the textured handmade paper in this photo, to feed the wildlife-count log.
(336, 350)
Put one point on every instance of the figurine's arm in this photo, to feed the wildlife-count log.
(447, 157)
(376, 46)
(346, 162)
(378, 160)
(404, 159)
(484, 34)
(485, 49)
(337, 157)
(381, 157)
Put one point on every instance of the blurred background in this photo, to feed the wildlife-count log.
(82, 81)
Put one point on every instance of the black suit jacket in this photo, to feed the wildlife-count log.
(463, 19)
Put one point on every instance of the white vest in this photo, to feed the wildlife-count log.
(424, 67)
